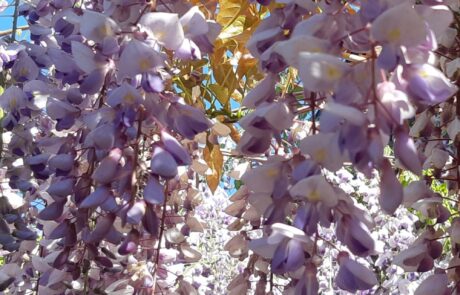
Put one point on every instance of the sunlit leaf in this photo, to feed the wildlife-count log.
(214, 158)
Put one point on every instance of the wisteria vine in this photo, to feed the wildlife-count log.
(366, 69)
(100, 143)
(105, 144)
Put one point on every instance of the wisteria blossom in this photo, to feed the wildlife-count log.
(230, 147)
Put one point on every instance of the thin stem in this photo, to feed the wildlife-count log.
(312, 106)
(134, 176)
(162, 226)
(40, 255)
(457, 144)
(350, 34)
(328, 242)
(165, 5)
(374, 86)
(141, 14)
(440, 238)
(448, 169)
(443, 178)
(229, 154)
(443, 55)
(455, 287)
(271, 282)
(85, 286)
(290, 78)
(15, 20)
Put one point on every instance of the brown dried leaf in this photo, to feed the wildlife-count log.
(236, 209)
(194, 224)
(237, 246)
(190, 255)
(215, 160)
(234, 134)
(236, 225)
(241, 194)
(251, 214)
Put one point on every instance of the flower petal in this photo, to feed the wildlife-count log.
(391, 191)
(323, 148)
(315, 189)
(434, 284)
(164, 27)
(353, 276)
(406, 152)
(137, 58)
(320, 71)
(96, 26)
(399, 25)
(154, 191)
(194, 22)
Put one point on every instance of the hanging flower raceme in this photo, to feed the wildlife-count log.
(287, 246)
(364, 71)
(353, 276)
(105, 142)
(103, 119)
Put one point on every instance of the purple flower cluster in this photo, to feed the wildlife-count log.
(106, 154)
(366, 68)
(105, 143)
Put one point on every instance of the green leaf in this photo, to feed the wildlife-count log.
(238, 184)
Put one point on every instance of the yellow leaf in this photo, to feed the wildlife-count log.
(233, 29)
(213, 157)
(246, 63)
(230, 10)
(234, 134)
(237, 96)
(220, 92)
(196, 92)
(225, 76)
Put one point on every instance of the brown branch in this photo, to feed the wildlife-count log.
(8, 32)
(144, 10)
(312, 106)
(162, 226)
